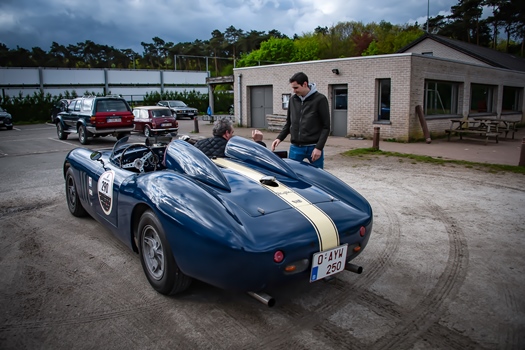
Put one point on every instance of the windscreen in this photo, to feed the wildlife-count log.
(111, 106)
(177, 104)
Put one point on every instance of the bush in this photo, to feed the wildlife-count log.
(36, 108)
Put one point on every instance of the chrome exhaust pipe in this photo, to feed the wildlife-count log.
(353, 268)
(263, 298)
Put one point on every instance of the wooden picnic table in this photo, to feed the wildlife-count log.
(474, 127)
(501, 125)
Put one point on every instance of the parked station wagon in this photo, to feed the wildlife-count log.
(155, 120)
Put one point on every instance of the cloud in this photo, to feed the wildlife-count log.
(126, 23)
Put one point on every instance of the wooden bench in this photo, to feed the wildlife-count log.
(462, 132)
(275, 122)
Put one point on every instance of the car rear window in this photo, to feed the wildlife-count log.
(158, 113)
(111, 106)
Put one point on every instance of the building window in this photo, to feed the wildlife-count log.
(441, 98)
(511, 99)
(383, 103)
(481, 98)
(286, 100)
(341, 99)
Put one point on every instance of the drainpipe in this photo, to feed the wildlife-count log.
(239, 87)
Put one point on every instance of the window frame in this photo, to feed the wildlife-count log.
(486, 106)
(518, 99)
(452, 108)
(384, 97)
(285, 100)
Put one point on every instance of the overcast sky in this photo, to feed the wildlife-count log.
(126, 23)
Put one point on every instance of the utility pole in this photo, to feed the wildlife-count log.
(428, 12)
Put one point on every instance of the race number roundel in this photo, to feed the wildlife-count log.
(105, 191)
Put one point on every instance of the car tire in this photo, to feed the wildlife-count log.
(10, 127)
(147, 131)
(73, 201)
(60, 132)
(157, 258)
(83, 135)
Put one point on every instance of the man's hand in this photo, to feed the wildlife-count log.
(257, 135)
(316, 154)
(275, 143)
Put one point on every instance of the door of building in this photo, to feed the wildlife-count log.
(261, 104)
(340, 110)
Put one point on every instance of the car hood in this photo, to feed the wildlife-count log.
(182, 108)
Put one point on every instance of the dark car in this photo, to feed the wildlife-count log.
(155, 120)
(6, 120)
(179, 108)
(60, 106)
(94, 116)
(246, 222)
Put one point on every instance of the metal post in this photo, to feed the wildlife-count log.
(428, 13)
(375, 144)
(522, 153)
(196, 124)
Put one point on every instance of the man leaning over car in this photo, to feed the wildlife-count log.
(222, 132)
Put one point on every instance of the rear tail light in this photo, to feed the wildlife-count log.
(278, 256)
(362, 231)
(93, 119)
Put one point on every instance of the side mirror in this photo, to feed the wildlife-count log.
(95, 155)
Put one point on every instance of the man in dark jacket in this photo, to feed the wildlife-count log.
(214, 146)
(307, 121)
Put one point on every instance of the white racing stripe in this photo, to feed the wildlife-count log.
(324, 226)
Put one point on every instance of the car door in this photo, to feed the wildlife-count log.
(70, 116)
(139, 122)
(103, 183)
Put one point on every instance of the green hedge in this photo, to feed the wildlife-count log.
(36, 108)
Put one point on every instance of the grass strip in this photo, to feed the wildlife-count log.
(361, 152)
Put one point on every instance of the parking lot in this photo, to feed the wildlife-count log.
(444, 268)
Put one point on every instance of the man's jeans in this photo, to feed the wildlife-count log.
(299, 153)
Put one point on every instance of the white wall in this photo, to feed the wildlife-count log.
(127, 82)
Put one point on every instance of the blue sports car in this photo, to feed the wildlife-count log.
(245, 222)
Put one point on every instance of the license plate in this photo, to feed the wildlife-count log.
(190, 113)
(165, 124)
(114, 120)
(328, 262)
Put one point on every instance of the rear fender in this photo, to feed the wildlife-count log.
(189, 212)
(331, 184)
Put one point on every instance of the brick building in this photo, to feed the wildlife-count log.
(447, 78)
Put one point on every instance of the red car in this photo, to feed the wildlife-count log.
(155, 120)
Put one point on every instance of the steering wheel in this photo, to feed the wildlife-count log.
(148, 158)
